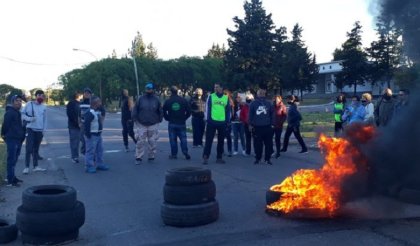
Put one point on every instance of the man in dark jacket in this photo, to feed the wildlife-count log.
(126, 105)
(384, 109)
(147, 114)
(197, 120)
(293, 124)
(72, 110)
(176, 111)
(218, 116)
(13, 133)
(261, 118)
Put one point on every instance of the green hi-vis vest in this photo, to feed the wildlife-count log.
(218, 107)
(338, 106)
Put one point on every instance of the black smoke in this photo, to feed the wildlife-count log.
(405, 14)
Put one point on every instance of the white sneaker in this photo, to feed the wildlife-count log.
(235, 152)
(244, 153)
(25, 170)
(39, 169)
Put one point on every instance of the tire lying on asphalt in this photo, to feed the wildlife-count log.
(49, 198)
(8, 231)
(189, 195)
(187, 176)
(272, 196)
(50, 224)
(189, 215)
(49, 240)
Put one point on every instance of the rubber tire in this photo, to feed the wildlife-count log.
(49, 224)
(409, 195)
(272, 196)
(188, 216)
(49, 240)
(8, 231)
(187, 176)
(49, 198)
(189, 195)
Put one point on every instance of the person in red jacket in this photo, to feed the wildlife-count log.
(280, 112)
(243, 117)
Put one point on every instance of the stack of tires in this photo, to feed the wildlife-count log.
(49, 214)
(189, 197)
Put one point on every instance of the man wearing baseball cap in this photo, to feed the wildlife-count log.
(147, 114)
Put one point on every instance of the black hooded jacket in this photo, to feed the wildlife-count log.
(12, 127)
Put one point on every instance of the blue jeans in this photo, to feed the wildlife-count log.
(94, 152)
(238, 132)
(198, 127)
(13, 151)
(178, 131)
(74, 134)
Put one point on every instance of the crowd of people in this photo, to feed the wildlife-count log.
(253, 121)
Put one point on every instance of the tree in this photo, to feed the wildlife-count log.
(5, 90)
(385, 53)
(216, 51)
(114, 54)
(138, 48)
(354, 59)
(249, 59)
(151, 52)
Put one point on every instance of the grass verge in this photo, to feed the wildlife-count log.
(314, 123)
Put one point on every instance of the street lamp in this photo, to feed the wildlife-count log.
(135, 68)
(96, 59)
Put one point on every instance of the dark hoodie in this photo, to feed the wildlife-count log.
(261, 112)
(148, 110)
(176, 110)
(12, 127)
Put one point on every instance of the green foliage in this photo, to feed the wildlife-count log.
(248, 61)
(216, 51)
(408, 77)
(354, 60)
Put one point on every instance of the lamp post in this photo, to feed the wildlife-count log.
(96, 59)
(135, 67)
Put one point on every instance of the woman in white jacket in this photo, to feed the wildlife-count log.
(369, 108)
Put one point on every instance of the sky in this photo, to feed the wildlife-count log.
(38, 37)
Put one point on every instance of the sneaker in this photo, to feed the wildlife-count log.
(16, 180)
(256, 162)
(200, 146)
(173, 157)
(151, 159)
(277, 155)
(40, 158)
(283, 150)
(39, 169)
(244, 153)
(229, 154)
(102, 168)
(90, 169)
(205, 160)
(220, 161)
(25, 170)
(127, 149)
(13, 184)
(268, 162)
(75, 160)
(187, 157)
(235, 152)
(303, 151)
(138, 161)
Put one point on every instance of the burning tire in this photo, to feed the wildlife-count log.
(191, 215)
(49, 198)
(189, 195)
(272, 196)
(8, 231)
(50, 224)
(187, 176)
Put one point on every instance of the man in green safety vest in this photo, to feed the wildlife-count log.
(338, 112)
(217, 118)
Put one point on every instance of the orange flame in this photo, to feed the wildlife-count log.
(321, 189)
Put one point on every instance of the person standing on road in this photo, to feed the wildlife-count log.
(261, 118)
(338, 113)
(13, 133)
(384, 109)
(197, 120)
(402, 103)
(280, 116)
(293, 124)
(176, 111)
(369, 109)
(244, 115)
(126, 105)
(237, 125)
(355, 112)
(35, 114)
(228, 132)
(147, 114)
(72, 110)
(93, 125)
(217, 116)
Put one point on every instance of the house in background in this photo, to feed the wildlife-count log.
(326, 78)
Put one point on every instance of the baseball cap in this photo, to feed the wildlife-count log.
(88, 90)
(14, 97)
(149, 85)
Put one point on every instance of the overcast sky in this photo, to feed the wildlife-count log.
(43, 33)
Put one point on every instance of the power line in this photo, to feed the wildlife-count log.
(39, 64)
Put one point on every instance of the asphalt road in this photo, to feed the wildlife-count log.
(123, 204)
